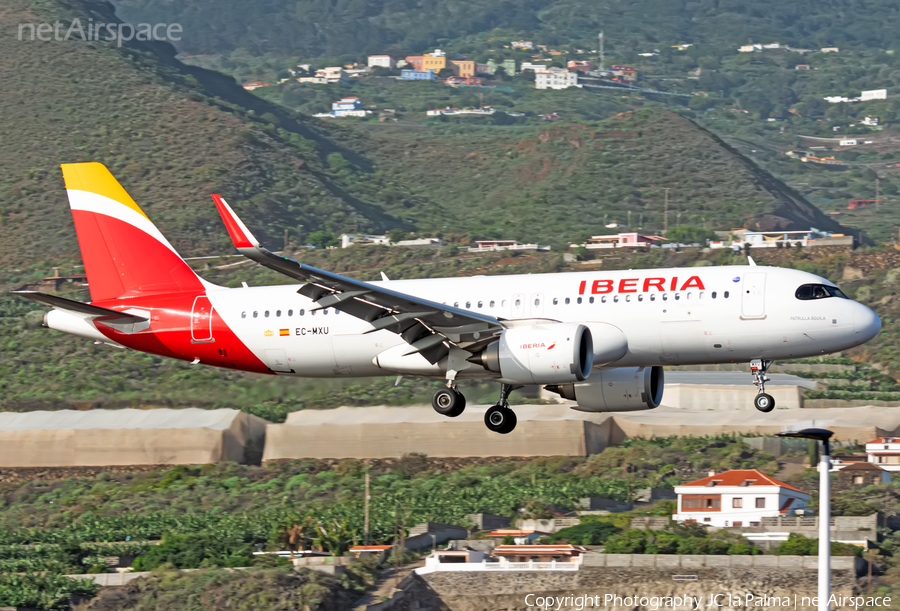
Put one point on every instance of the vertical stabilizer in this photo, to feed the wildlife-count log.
(124, 253)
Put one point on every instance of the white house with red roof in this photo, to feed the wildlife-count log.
(885, 452)
(741, 497)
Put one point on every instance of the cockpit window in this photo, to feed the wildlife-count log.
(818, 291)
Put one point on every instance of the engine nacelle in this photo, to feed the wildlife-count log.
(624, 389)
(555, 353)
(610, 343)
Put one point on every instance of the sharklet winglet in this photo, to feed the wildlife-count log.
(240, 235)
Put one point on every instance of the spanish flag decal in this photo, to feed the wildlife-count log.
(283, 332)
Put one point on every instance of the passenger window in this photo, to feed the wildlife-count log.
(713, 295)
(725, 294)
(677, 296)
(688, 295)
(455, 304)
(652, 297)
(243, 315)
(290, 312)
(640, 297)
(578, 301)
(628, 298)
(267, 313)
(537, 302)
(555, 301)
(491, 304)
(255, 314)
(518, 302)
(278, 313)
(591, 300)
(700, 296)
(301, 312)
(567, 301)
(325, 312)
(480, 304)
(665, 296)
(615, 299)
(503, 304)
(468, 305)
(312, 312)
(603, 299)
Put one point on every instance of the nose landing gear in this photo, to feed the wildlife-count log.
(763, 402)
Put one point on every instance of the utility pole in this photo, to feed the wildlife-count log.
(877, 192)
(366, 514)
(666, 213)
(285, 240)
(601, 53)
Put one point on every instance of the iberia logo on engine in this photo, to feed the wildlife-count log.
(532, 346)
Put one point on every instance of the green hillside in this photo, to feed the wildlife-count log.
(350, 27)
(564, 182)
(171, 134)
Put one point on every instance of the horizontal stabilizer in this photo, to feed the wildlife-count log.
(70, 305)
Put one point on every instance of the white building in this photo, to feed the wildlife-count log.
(354, 239)
(497, 245)
(874, 94)
(885, 452)
(555, 78)
(849, 142)
(741, 497)
(750, 48)
(382, 61)
(829, 50)
(836, 99)
(332, 74)
(619, 240)
(534, 67)
(870, 121)
(522, 44)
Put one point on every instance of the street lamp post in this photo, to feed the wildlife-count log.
(824, 436)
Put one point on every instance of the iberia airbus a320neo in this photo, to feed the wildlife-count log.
(598, 338)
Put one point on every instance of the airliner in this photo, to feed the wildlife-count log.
(600, 339)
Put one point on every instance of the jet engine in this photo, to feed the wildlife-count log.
(624, 389)
(556, 353)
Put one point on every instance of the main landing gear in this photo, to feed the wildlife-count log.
(763, 402)
(499, 418)
(448, 402)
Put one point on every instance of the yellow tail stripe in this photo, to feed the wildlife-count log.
(95, 178)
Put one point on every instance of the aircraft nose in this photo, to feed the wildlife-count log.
(866, 323)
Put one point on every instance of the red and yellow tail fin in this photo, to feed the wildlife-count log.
(124, 253)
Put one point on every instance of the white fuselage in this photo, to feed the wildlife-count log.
(669, 317)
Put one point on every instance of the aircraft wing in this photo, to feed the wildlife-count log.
(70, 305)
(429, 327)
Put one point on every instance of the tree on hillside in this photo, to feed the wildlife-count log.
(322, 239)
